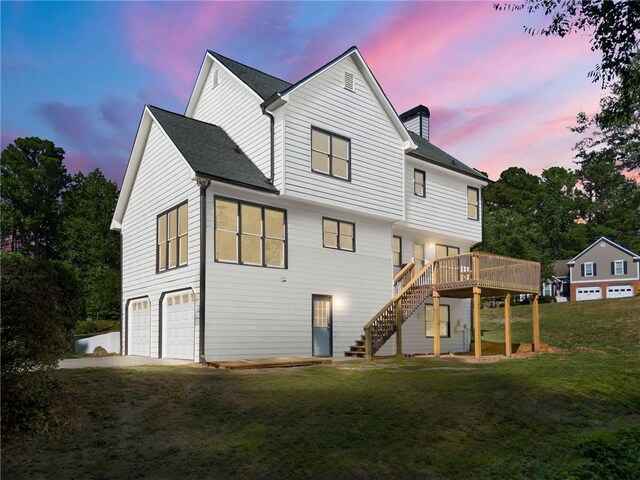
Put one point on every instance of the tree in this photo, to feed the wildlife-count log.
(88, 244)
(33, 180)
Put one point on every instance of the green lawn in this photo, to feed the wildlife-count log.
(573, 414)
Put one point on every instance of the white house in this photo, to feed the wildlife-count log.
(269, 219)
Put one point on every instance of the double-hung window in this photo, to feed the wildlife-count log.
(473, 203)
(445, 321)
(446, 251)
(172, 238)
(330, 154)
(338, 234)
(397, 251)
(618, 267)
(589, 269)
(250, 234)
(418, 183)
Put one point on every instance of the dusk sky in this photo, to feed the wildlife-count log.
(79, 74)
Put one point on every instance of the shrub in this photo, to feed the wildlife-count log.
(545, 299)
(85, 327)
(41, 300)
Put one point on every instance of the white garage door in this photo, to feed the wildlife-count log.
(588, 293)
(619, 291)
(139, 327)
(178, 325)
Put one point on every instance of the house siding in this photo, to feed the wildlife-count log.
(234, 107)
(266, 312)
(162, 182)
(602, 257)
(377, 155)
(443, 210)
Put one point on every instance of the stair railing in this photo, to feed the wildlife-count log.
(404, 303)
(402, 277)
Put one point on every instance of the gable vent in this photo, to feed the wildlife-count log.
(215, 78)
(349, 82)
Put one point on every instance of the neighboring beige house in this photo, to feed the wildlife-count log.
(604, 270)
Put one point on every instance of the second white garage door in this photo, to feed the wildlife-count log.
(588, 293)
(178, 325)
(619, 291)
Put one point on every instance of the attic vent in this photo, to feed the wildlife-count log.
(215, 78)
(602, 244)
(349, 84)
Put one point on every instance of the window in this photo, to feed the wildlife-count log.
(397, 251)
(619, 267)
(172, 248)
(473, 203)
(446, 251)
(250, 234)
(338, 234)
(445, 321)
(588, 269)
(330, 154)
(418, 254)
(418, 183)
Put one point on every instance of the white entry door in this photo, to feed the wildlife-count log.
(619, 291)
(139, 335)
(588, 293)
(178, 325)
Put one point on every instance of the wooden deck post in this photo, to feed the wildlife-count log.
(399, 354)
(507, 325)
(436, 324)
(368, 344)
(536, 324)
(477, 334)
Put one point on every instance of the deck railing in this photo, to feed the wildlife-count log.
(459, 272)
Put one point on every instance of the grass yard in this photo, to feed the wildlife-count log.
(573, 414)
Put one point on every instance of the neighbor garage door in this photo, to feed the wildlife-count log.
(619, 291)
(178, 325)
(139, 327)
(588, 293)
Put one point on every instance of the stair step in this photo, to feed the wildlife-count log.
(357, 348)
(354, 354)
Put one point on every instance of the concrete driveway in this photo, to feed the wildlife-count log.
(118, 361)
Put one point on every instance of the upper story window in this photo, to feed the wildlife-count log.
(419, 182)
(172, 238)
(589, 269)
(446, 251)
(619, 267)
(338, 234)
(397, 251)
(330, 154)
(473, 203)
(250, 234)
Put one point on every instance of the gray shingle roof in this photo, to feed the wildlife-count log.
(263, 84)
(429, 151)
(210, 151)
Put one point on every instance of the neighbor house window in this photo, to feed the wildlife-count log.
(172, 238)
(418, 183)
(445, 321)
(446, 251)
(588, 269)
(473, 203)
(619, 267)
(397, 251)
(330, 154)
(338, 234)
(250, 234)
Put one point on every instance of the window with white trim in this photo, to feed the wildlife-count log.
(618, 267)
(338, 234)
(249, 234)
(473, 203)
(589, 270)
(445, 321)
(172, 249)
(330, 154)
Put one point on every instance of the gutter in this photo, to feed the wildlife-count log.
(204, 185)
(272, 163)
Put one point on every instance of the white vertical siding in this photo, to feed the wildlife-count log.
(266, 312)
(235, 108)
(163, 181)
(444, 209)
(377, 158)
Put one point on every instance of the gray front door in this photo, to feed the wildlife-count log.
(321, 325)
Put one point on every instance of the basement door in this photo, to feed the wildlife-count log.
(322, 325)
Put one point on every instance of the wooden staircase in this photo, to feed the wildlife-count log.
(411, 293)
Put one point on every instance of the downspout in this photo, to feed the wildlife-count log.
(272, 164)
(204, 185)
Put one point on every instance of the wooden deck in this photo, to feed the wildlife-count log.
(279, 362)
